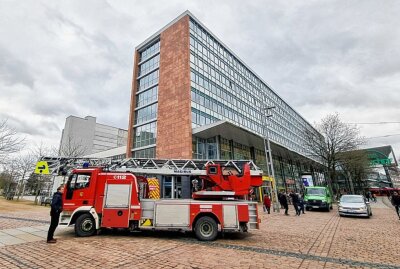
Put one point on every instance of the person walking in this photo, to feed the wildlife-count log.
(373, 197)
(368, 196)
(395, 199)
(301, 203)
(267, 203)
(56, 209)
(284, 203)
(295, 202)
(280, 199)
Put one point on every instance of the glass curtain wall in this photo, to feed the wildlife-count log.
(223, 88)
(226, 150)
(203, 149)
(145, 123)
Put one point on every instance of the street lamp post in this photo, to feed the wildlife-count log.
(268, 156)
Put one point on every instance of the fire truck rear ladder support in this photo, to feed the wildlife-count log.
(253, 220)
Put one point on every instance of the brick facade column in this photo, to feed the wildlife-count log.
(174, 129)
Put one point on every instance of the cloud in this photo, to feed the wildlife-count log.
(14, 70)
(75, 57)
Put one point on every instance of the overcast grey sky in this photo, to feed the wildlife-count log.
(61, 58)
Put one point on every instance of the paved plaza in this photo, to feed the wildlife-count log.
(314, 240)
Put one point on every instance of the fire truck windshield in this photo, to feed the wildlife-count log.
(76, 182)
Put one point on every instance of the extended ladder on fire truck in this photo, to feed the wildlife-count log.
(147, 166)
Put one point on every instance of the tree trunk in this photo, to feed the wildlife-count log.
(23, 187)
(351, 182)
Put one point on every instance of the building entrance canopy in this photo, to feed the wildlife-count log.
(231, 131)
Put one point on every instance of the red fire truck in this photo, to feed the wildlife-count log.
(118, 197)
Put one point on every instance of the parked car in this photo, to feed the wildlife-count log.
(318, 197)
(354, 205)
(10, 195)
(45, 200)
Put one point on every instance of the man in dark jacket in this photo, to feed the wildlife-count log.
(56, 209)
(396, 202)
(301, 203)
(283, 200)
(295, 202)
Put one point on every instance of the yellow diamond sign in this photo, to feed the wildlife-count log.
(42, 168)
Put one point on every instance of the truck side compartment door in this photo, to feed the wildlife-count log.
(230, 216)
(117, 197)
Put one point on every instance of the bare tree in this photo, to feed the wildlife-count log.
(25, 164)
(40, 150)
(5, 180)
(355, 166)
(333, 139)
(9, 140)
(9, 176)
(72, 148)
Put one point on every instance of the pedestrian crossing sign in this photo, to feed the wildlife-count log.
(42, 168)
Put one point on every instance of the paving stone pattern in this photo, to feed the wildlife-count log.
(23, 219)
(313, 240)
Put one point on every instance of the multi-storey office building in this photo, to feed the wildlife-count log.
(192, 97)
(85, 136)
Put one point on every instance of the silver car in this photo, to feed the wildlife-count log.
(354, 205)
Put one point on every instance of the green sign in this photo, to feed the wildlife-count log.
(382, 161)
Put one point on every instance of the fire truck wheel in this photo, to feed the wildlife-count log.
(206, 229)
(85, 226)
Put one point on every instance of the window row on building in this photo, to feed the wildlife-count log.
(223, 95)
(222, 112)
(145, 135)
(146, 113)
(216, 52)
(149, 51)
(147, 97)
(145, 130)
(149, 65)
(145, 153)
(216, 73)
(149, 80)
